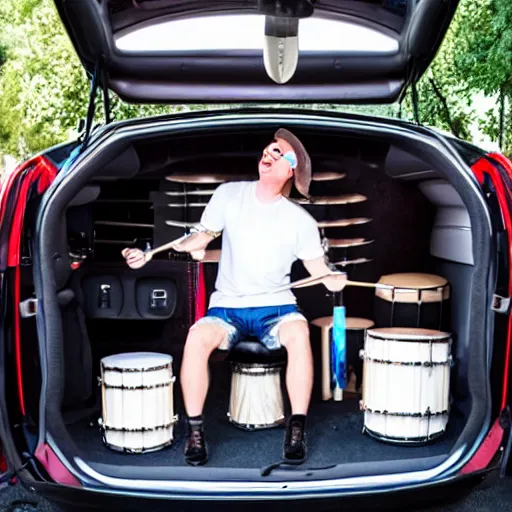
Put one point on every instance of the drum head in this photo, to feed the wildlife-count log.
(351, 322)
(136, 360)
(354, 323)
(407, 334)
(414, 281)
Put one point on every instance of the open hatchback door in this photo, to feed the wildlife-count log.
(389, 197)
(226, 51)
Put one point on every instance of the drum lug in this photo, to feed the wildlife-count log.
(501, 304)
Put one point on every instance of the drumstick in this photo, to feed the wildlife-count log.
(311, 281)
(307, 281)
(148, 255)
(364, 284)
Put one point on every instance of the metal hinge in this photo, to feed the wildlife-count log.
(28, 308)
(501, 304)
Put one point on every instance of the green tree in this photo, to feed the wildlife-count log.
(485, 61)
(44, 90)
(444, 98)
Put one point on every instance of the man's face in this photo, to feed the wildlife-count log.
(273, 167)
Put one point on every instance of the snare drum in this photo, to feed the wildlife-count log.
(256, 400)
(413, 300)
(137, 401)
(406, 381)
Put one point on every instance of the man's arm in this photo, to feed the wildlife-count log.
(196, 243)
(318, 267)
(210, 226)
(311, 252)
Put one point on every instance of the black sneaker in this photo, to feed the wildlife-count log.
(196, 453)
(295, 449)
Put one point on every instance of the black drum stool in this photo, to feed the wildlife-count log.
(256, 399)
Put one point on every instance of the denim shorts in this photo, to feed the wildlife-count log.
(260, 322)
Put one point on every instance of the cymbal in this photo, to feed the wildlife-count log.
(180, 223)
(131, 201)
(115, 242)
(356, 261)
(186, 205)
(340, 223)
(343, 199)
(209, 178)
(123, 224)
(337, 243)
(328, 176)
(191, 192)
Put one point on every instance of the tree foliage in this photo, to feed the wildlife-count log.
(485, 61)
(43, 87)
(474, 63)
(44, 90)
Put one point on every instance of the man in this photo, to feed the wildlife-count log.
(263, 234)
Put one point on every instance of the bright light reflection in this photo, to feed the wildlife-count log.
(246, 32)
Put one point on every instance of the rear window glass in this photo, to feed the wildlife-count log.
(246, 32)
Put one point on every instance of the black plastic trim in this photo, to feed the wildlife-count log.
(240, 75)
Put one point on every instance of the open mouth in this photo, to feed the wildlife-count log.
(266, 164)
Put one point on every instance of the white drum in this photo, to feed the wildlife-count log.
(137, 401)
(406, 384)
(256, 399)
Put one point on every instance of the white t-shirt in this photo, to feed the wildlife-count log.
(260, 242)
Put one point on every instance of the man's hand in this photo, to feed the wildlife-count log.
(318, 267)
(336, 283)
(135, 258)
(198, 255)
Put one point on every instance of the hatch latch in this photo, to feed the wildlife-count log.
(28, 308)
(501, 304)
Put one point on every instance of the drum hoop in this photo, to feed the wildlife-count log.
(446, 338)
(404, 441)
(437, 288)
(427, 414)
(134, 388)
(256, 369)
(134, 450)
(444, 292)
(143, 429)
(410, 363)
(135, 370)
(256, 426)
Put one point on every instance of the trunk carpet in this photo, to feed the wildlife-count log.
(334, 437)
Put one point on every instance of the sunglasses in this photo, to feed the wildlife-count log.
(274, 151)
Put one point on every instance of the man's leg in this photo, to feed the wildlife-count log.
(294, 336)
(202, 340)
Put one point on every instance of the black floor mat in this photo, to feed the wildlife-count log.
(334, 437)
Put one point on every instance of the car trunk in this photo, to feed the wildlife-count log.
(422, 213)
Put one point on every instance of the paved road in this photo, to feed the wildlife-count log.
(495, 499)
